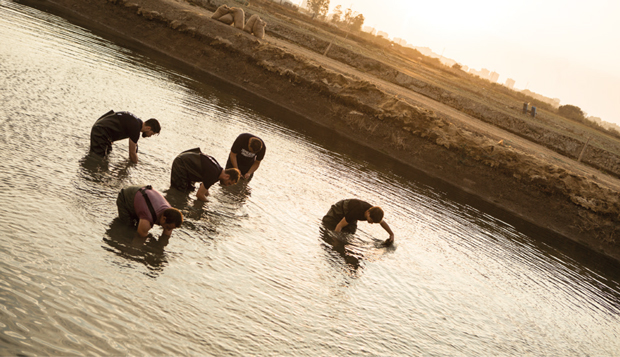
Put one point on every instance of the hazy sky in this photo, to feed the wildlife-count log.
(560, 49)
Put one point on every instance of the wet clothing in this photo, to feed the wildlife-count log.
(352, 210)
(132, 205)
(112, 127)
(193, 166)
(245, 158)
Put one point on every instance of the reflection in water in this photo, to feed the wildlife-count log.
(352, 248)
(98, 169)
(94, 165)
(177, 199)
(341, 243)
(238, 194)
(245, 274)
(122, 240)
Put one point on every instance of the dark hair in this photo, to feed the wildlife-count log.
(255, 144)
(234, 174)
(173, 215)
(376, 214)
(154, 124)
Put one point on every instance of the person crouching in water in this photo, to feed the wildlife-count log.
(343, 217)
(146, 206)
(246, 154)
(117, 126)
(193, 166)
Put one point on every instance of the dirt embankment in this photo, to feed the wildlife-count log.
(516, 124)
(536, 190)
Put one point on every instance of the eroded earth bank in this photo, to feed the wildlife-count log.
(583, 208)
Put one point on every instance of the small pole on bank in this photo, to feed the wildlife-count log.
(583, 150)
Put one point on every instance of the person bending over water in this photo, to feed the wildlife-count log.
(148, 207)
(117, 126)
(193, 166)
(246, 154)
(343, 217)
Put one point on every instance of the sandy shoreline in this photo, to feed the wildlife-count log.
(538, 191)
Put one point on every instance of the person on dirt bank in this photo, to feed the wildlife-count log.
(193, 166)
(142, 206)
(117, 126)
(343, 217)
(246, 154)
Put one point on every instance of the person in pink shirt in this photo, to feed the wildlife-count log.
(143, 206)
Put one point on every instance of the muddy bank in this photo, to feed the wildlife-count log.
(538, 191)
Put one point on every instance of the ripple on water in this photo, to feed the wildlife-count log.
(250, 272)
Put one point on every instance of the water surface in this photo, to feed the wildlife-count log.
(250, 273)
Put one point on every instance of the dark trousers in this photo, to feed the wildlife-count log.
(100, 143)
(124, 204)
(186, 170)
(335, 215)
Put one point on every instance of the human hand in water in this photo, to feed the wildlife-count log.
(389, 241)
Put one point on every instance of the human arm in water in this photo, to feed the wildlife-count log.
(202, 193)
(252, 169)
(343, 223)
(144, 226)
(133, 151)
(165, 238)
(385, 226)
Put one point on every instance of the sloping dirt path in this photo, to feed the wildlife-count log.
(458, 118)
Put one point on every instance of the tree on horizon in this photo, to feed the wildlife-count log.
(572, 112)
(336, 15)
(319, 7)
(353, 20)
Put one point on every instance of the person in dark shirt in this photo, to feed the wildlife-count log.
(133, 206)
(343, 217)
(117, 126)
(246, 154)
(193, 166)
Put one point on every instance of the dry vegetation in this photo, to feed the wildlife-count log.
(490, 102)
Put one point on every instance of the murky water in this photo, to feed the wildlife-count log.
(250, 272)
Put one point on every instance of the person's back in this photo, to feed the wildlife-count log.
(193, 166)
(158, 203)
(343, 216)
(246, 154)
(143, 206)
(113, 126)
(350, 209)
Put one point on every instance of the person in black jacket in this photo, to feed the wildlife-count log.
(343, 217)
(117, 126)
(193, 166)
(246, 154)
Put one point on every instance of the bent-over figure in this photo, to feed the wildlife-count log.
(144, 207)
(193, 166)
(246, 154)
(113, 126)
(343, 217)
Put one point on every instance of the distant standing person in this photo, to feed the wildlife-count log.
(117, 126)
(148, 207)
(343, 217)
(246, 154)
(193, 166)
